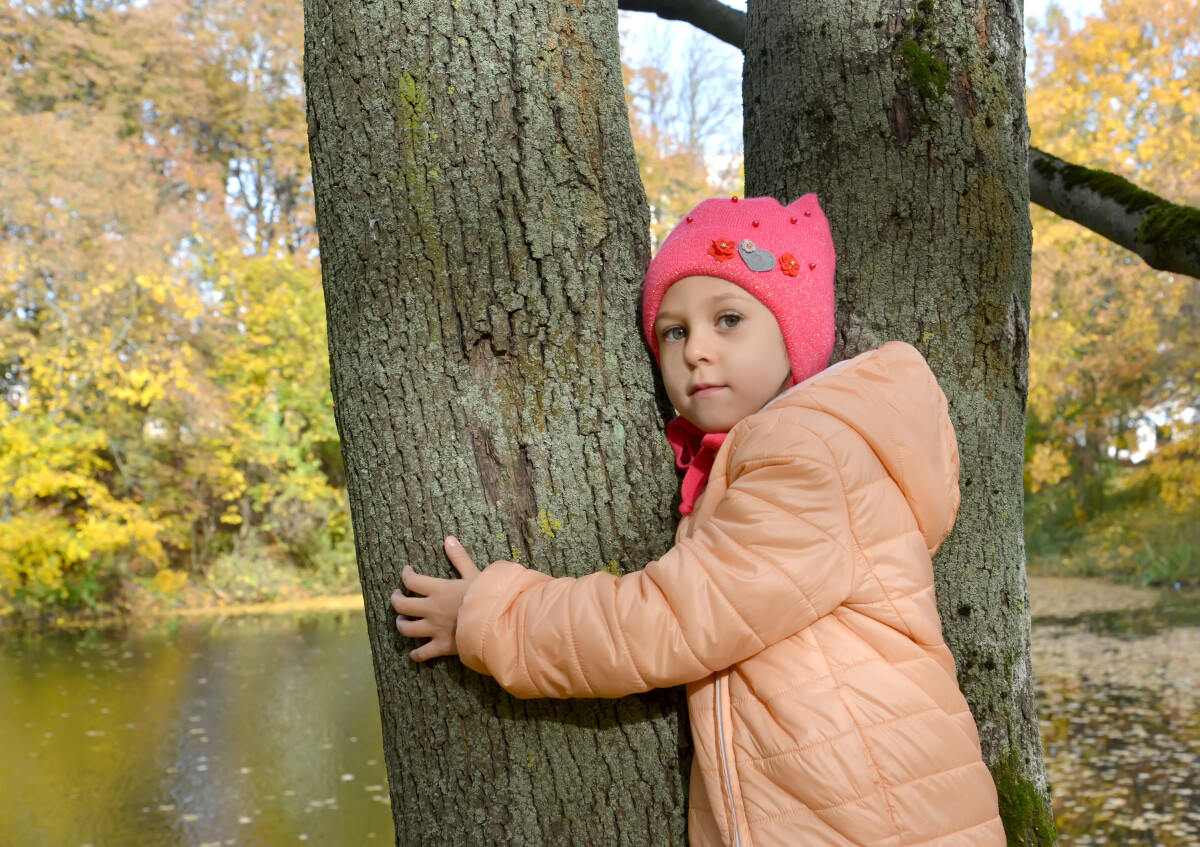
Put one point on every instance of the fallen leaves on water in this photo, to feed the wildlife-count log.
(1119, 723)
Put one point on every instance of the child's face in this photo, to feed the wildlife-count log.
(721, 352)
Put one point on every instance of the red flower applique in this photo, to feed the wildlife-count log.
(789, 265)
(722, 249)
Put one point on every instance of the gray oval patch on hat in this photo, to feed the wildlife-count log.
(755, 257)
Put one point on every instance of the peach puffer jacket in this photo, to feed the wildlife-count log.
(797, 604)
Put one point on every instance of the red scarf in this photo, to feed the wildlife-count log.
(695, 451)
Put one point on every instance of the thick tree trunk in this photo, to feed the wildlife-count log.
(908, 120)
(483, 235)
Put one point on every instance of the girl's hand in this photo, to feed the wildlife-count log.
(434, 615)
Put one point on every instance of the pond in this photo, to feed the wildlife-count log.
(1118, 682)
(251, 731)
(265, 730)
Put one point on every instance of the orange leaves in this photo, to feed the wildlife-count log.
(1114, 346)
(682, 100)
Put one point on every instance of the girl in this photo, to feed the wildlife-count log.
(797, 603)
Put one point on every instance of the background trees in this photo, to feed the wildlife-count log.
(685, 123)
(142, 142)
(166, 398)
(1163, 233)
(1115, 346)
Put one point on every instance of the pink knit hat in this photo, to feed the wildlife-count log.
(782, 255)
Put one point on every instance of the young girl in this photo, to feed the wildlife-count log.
(797, 603)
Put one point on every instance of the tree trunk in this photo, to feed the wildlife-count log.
(483, 237)
(908, 120)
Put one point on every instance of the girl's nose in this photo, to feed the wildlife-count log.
(697, 348)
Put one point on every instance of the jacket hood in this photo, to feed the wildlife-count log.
(891, 398)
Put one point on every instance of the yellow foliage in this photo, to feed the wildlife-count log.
(1113, 344)
(168, 581)
(1175, 467)
(1047, 467)
(161, 331)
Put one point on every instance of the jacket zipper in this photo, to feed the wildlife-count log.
(737, 841)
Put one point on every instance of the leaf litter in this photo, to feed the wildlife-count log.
(1117, 678)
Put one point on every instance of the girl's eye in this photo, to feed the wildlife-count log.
(673, 333)
(729, 320)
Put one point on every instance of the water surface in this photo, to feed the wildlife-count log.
(1118, 691)
(249, 731)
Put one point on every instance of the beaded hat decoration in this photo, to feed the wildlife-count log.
(781, 255)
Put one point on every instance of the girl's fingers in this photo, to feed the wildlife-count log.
(419, 583)
(460, 558)
(410, 607)
(430, 650)
(415, 627)
(427, 585)
(434, 599)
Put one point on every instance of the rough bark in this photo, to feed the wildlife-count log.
(1165, 235)
(909, 122)
(483, 235)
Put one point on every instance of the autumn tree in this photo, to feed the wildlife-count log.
(258, 133)
(95, 200)
(1115, 351)
(161, 393)
(680, 114)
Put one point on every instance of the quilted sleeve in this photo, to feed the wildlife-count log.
(774, 556)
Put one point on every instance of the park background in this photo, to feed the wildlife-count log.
(167, 440)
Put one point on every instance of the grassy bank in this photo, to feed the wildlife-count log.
(1131, 536)
(256, 578)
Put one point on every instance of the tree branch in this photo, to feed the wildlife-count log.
(1165, 235)
(718, 20)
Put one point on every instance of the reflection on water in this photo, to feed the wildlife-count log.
(248, 731)
(1118, 694)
